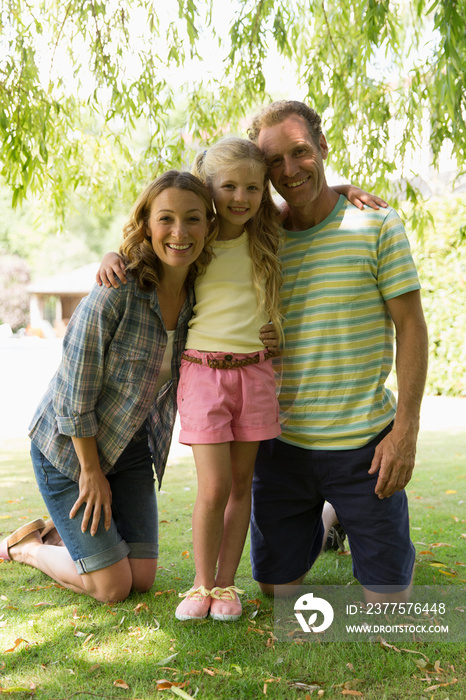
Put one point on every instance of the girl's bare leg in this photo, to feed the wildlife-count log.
(238, 511)
(213, 466)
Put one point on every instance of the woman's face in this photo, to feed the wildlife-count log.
(177, 227)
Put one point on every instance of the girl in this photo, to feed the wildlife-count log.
(109, 411)
(226, 396)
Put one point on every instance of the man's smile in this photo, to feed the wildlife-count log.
(298, 183)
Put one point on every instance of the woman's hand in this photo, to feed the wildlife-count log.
(94, 489)
(95, 492)
(360, 197)
(112, 268)
(269, 336)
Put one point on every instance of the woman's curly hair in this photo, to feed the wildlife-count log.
(136, 247)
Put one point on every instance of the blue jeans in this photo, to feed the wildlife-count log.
(134, 527)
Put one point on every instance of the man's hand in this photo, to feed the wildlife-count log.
(394, 460)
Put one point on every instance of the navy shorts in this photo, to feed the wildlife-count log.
(133, 531)
(289, 489)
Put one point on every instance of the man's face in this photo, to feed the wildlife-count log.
(295, 162)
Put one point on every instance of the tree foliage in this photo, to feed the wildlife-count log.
(91, 98)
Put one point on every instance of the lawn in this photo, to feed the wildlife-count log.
(55, 644)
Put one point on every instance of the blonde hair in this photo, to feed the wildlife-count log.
(263, 228)
(136, 248)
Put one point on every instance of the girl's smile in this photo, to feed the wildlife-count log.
(237, 195)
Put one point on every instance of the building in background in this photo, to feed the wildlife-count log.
(52, 300)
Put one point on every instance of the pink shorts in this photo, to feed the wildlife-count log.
(225, 405)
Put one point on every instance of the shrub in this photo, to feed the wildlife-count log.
(14, 299)
(441, 260)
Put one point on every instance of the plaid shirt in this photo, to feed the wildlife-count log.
(105, 385)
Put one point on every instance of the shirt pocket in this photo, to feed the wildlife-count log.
(343, 280)
(126, 364)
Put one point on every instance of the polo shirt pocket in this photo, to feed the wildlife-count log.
(126, 363)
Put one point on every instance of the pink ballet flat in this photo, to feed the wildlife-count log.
(225, 604)
(195, 605)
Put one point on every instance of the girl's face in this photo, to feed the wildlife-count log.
(178, 227)
(237, 195)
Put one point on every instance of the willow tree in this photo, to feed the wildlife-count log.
(92, 95)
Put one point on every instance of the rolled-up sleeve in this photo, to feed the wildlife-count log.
(78, 425)
(80, 376)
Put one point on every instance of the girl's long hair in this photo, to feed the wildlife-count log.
(263, 228)
(136, 248)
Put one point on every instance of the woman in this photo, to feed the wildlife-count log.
(109, 411)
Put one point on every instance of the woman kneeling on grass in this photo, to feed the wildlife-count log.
(108, 414)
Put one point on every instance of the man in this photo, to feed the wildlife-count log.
(348, 279)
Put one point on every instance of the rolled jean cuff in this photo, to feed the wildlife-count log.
(94, 562)
(143, 550)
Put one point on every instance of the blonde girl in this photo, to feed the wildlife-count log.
(226, 395)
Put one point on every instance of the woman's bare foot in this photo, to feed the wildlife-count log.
(21, 552)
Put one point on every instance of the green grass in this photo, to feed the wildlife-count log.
(76, 647)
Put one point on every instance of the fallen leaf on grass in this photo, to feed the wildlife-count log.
(180, 693)
(121, 684)
(164, 662)
(39, 605)
(306, 686)
(441, 544)
(441, 685)
(139, 607)
(427, 552)
(16, 689)
(385, 645)
(18, 641)
(450, 491)
(172, 590)
(352, 692)
(185, 554)
(164, 684)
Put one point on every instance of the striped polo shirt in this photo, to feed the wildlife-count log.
(338, 333)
